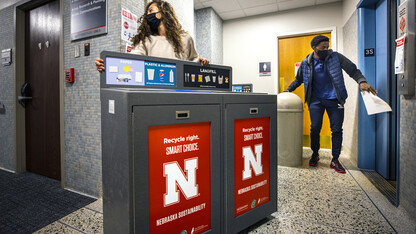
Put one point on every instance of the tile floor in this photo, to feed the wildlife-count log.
(310, 200)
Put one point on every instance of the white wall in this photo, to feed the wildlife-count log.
(348, 8)
(252, 40)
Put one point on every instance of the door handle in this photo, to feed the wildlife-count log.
(24, 98)
(25, 94)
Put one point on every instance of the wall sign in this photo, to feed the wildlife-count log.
(265, 69)
(251, 164)
(369, 52)
(6, 57)
(180, 178)
(88, 18)
(128, 25)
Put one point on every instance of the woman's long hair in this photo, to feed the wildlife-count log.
(173, 27)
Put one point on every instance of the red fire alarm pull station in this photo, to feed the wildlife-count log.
(69, 75)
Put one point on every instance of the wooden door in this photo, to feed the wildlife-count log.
(43, 29)
(293, 50)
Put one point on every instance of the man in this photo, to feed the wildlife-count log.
(321, 73)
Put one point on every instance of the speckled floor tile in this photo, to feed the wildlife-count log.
(397, 216)
(343, 207)
(86, 220)
(321, 176)
(96, 206)
(57, 227)
(286, 225)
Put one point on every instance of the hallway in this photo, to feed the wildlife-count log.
(310, 200)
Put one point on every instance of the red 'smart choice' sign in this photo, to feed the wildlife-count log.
(180, 178)
(251, 164)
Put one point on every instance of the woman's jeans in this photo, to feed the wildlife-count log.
(335, 112)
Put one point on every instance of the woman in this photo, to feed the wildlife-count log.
(161, 35)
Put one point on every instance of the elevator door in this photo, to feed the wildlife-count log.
(385, 150)
(42, 73)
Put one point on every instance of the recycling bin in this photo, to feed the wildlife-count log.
(290, 130)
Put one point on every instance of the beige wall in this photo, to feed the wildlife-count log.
(350, 143)
(252, 40)
(348, 8)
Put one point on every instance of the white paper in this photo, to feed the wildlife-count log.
(399, 61)
(374, 104)
(128, 25)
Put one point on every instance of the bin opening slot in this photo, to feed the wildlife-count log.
(254, 111)
(183, 114)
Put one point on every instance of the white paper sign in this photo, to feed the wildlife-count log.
(297, 66)
(399, 61)
(128, 25)
(374, 104)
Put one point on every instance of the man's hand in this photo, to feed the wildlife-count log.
(364, 86)
(99, 63)
(203, 61)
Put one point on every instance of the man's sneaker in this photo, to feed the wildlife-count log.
(337, 166)
(314, 160)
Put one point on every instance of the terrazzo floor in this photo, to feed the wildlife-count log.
(310, 200)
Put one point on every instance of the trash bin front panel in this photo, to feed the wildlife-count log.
(176, 166)
(250, 163)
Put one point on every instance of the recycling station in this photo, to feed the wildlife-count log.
(181, 153)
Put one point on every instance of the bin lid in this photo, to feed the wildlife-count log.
(289, 101)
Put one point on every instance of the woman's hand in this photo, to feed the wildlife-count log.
(203, 61)
(364, 86)
(99, 63)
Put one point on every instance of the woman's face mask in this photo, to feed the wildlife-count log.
(153, 21)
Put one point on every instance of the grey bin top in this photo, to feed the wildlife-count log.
(289, 102)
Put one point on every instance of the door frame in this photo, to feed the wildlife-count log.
(332, 30)
(20, 11)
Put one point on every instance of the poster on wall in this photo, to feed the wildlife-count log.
(88, 18)
(128, 25)
(251, 164)
(180, 178)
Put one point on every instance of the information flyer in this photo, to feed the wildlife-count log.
(251, 164)
(180, 178)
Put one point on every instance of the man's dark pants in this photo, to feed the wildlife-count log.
(335, 112)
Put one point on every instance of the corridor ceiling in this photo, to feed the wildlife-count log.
(233, 9)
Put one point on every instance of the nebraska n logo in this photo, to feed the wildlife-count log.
(255, 162)
(175, 176)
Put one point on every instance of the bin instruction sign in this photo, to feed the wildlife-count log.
(251, 164)
(139, 73)
(180, 178)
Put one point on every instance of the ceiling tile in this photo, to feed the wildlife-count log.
(198, 6)
(261, 9)
(223, 6)
(232, 14)
(326, 1)
(292, 4)
(250, 3)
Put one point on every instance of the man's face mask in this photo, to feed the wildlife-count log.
(322, 54)
(153, 21)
